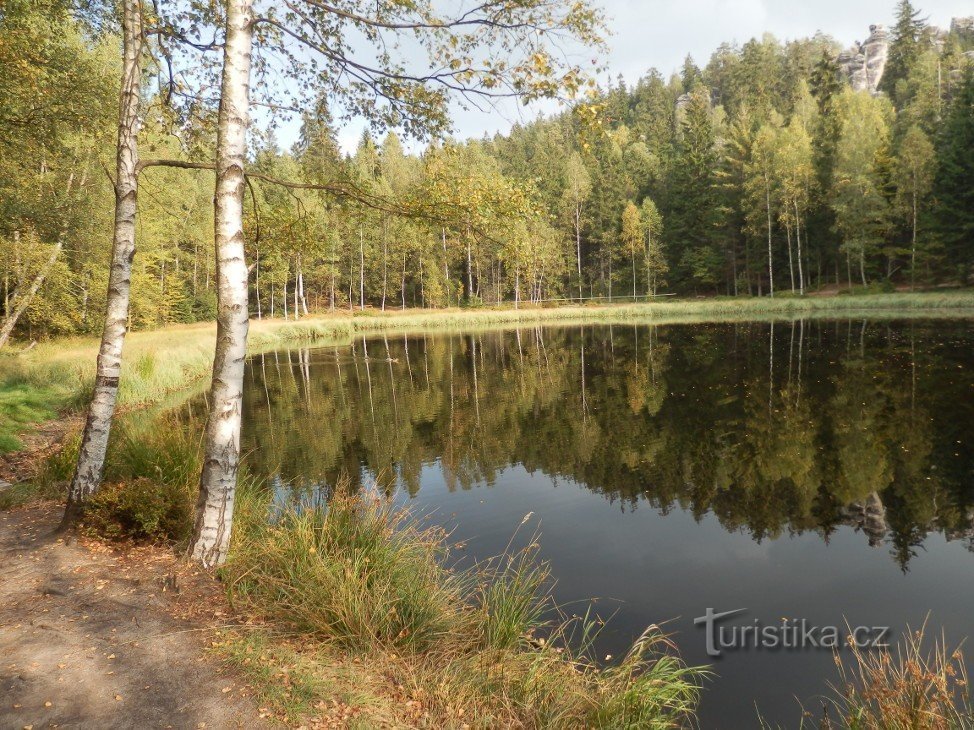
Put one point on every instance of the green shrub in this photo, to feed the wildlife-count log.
(142, 509)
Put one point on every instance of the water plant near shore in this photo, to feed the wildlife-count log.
(483, 645)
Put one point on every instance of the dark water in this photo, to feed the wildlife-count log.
(818, 470)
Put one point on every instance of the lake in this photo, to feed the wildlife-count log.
(817, 469)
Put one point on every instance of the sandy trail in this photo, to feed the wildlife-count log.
(101, 637)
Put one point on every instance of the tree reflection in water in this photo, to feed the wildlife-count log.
(800, 426)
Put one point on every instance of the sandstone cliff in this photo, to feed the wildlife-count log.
(863, 63)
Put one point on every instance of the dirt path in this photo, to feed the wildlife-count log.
(98, 637)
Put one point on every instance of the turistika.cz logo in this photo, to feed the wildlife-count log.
(788, 634)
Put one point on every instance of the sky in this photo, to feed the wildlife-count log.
(660, 33)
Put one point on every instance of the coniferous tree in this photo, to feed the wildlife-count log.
(692, 202)
(954, 182)
(904, 49)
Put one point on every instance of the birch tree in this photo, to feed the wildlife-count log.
(797, 173)
(656, 266)
(762, 190)
(861, 210)
(578, 188)
(493, 50)
(914, 178)
(221, 450)
(632, 237)
(94, 440)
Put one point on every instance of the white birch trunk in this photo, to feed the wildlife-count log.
(767, 192)
(798, 239)
(221, 457)
(20, 303)
(94, 441)
(578, 246)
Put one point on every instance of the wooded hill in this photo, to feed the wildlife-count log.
(760, 171)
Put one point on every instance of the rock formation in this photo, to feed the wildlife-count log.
(863, 63)
(963, 28)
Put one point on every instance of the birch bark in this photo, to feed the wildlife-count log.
(94, 440)
(221, 457)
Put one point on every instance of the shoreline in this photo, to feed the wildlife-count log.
(49, 384)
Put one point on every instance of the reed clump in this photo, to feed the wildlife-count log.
(912, 686)
(482, 646)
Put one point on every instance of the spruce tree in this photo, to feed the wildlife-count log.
(904, 49)
(693, 202)
(954, 183)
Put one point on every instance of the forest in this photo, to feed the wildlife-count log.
(761, 172)
(175, 167)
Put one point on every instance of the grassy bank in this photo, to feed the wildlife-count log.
(430, 646)
(56, 376)
(348, 615)
(351, 612)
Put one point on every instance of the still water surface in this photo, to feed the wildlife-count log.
(810, 469)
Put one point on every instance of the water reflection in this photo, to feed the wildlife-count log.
(785, 428)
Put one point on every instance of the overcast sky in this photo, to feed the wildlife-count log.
(660, 33)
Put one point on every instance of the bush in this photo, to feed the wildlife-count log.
(150, 485)
(142, 509)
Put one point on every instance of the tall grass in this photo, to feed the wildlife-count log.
(914, 686)
(476, 646)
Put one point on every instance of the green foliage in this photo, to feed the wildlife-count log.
(150, 485)
(904, 49)
(954, 181)
(142, 509)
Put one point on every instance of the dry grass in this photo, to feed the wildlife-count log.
(431, 646)
(914, 686)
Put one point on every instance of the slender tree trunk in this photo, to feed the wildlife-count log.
(767, 191)
(913, 242)
(862, 264)
(297, 308)
(334, 265)
(221, 457)
(578, 246)
(633, 252)
(94, 440)
(21, 302)
(446, 268)
(650, 284)
(798, 242)
(304, 300)
(257, 282)
(791, 260)
(385, 261)
(469, 269)
(361, 268)
(422, 286)
(403, 282)
(351, 277)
